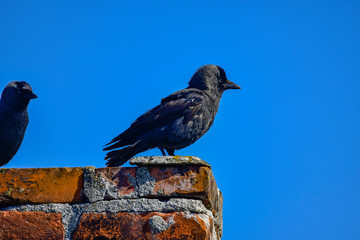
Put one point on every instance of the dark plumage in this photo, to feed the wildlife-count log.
(179, 120)
(13, 118)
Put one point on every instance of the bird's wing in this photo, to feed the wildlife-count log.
(167, 112)
(179, 104)
(4, 113)
(187, 93)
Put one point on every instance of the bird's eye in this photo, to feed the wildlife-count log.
(222, 80)
(18, 91)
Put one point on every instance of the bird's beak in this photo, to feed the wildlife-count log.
(31, 95)
(230, 85)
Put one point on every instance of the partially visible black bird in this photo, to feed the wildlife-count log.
(13, 118)
(179, 120)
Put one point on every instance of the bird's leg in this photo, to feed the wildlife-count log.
(171, 152)
(162, 150)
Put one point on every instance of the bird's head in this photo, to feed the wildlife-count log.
(17, 95)
(211, 77)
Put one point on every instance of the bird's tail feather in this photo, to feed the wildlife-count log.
(119, 157)
(122, 140)
(115, 144)
(112, 141)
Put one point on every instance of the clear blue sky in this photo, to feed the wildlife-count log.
(285, 149)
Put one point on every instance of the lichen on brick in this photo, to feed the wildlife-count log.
(168, 160)
(177, 202)
(40, 185)
(145, 182)
(158, 224)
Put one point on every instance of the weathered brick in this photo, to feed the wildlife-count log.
(40, 185)
(184, 181)
(31, 225)
(122, 178)
(74, 185)
(143, 226)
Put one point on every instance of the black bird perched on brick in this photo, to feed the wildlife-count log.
(13, 118)
(180, 119)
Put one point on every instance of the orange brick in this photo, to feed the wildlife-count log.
(40, 185)
(31, 225)
(138, 226)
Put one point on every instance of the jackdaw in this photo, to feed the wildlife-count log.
(180, 119)
(13, 118)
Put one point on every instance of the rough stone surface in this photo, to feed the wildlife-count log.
(158, 224)
(145, 182)
(30, 225)
(40, 185)
(71, 213)
(163, 201)
(143, 205)
(218, 214)
(168, 161)
(109, 183)
(155, 182)
(141, 226)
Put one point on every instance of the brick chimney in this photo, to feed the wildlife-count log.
(161, 198)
